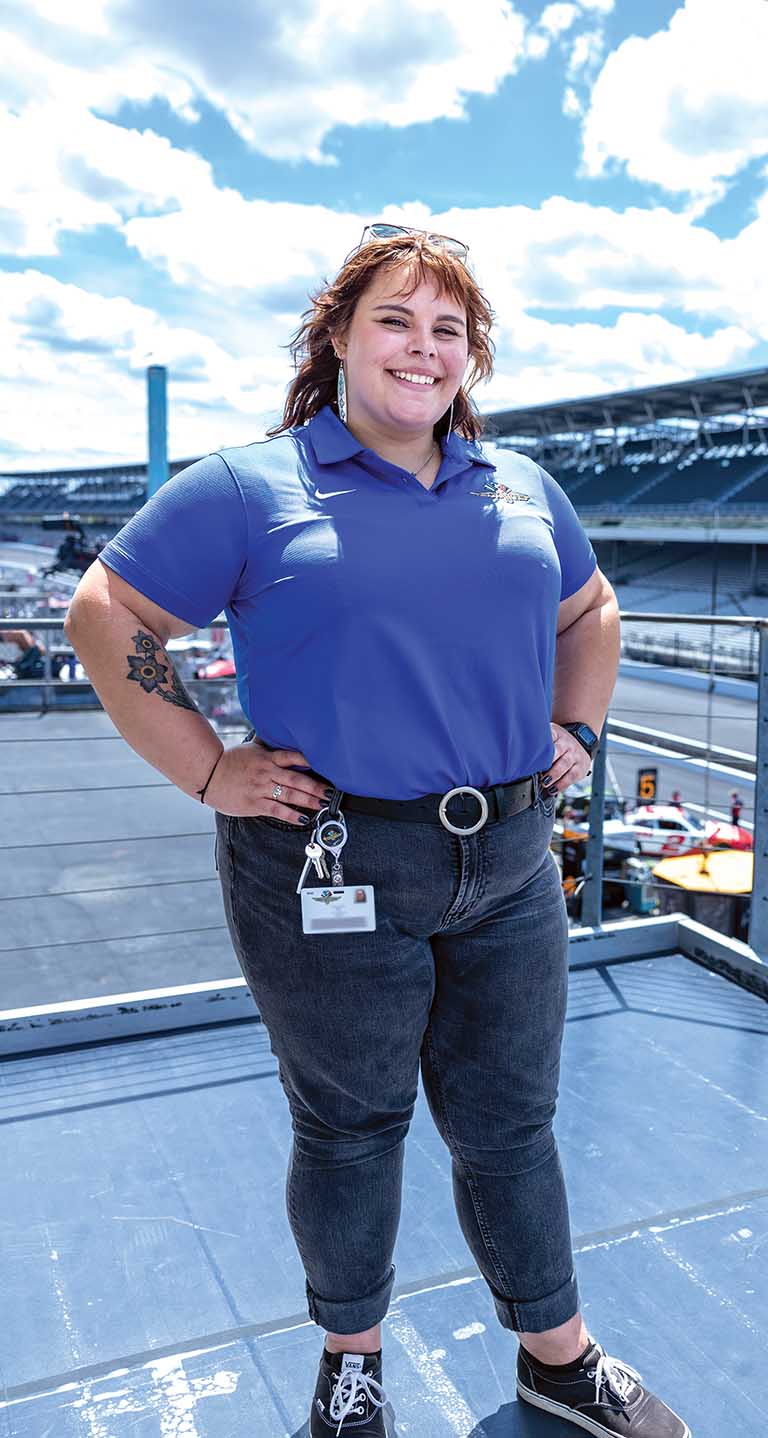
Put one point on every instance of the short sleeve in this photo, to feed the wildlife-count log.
(577, 557)
(186, 548)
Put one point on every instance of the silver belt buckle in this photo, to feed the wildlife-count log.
(463, 789)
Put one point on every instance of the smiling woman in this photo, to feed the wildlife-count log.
(399, 601)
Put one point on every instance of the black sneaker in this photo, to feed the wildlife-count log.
(348, 1397)
(604, 1395)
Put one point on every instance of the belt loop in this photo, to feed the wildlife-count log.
(333, 803)
(497, 794)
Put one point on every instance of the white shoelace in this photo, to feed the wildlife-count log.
(347, 1391)
(615, 1374)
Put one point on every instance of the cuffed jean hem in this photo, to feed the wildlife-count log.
(355, 1315)
(539, 1314)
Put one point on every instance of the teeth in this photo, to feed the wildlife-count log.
(414, 378)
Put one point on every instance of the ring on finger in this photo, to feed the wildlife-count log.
(277, 791)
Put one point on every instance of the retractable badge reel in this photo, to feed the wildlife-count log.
(333, 907)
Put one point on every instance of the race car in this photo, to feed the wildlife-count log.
(221, 668)
(660, 829)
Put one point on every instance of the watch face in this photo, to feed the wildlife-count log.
(585, 736)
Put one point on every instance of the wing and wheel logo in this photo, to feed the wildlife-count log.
(501, 493)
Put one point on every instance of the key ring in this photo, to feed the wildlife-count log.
(331, 834)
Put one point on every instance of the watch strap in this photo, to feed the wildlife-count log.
(575, 730)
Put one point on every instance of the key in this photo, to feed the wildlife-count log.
(318, 859)
(315, 856)
(304, 871)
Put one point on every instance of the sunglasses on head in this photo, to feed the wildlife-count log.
(381, 231)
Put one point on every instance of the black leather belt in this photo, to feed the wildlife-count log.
(480, 806)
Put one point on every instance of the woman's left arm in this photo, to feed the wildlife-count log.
(586, 665)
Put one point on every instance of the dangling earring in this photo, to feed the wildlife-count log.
(341, 394)
(450, 420)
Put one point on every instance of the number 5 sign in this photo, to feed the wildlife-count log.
(647, 780)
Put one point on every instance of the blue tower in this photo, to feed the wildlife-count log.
(157, 416)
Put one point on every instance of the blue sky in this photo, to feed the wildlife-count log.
(179, 185)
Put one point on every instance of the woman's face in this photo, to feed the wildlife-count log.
(393, 335)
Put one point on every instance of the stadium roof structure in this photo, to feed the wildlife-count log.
(129, 470)
(697, 400)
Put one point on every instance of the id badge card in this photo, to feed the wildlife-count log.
(348, 910)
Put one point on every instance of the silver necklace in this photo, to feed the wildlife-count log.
(416, 472)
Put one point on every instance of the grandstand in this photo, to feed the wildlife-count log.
(695, 449)
(103, 497)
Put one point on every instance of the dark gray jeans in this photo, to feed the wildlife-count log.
(465, 976)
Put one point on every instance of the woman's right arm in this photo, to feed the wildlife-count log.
(119, 637)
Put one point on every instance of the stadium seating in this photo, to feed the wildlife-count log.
(708, 480)
(717, 477)
(675, 568)
(753, 495)
(614, 484)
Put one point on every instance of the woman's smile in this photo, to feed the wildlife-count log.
(414, 379)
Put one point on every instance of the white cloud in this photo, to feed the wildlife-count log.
(72, 361)
(686, 107)
(537, 45)
(563, 253)
(572, 105)
(78, 71)
(538, 360)
(225, 242)
(283, 77)
(65, 169)
(586, 52)
(72, 367)
(557, 18)
(63, 349)
(87, 16)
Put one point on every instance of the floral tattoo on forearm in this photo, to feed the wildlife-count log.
(145, 668)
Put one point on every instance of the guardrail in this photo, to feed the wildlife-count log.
(694, 748)
(730, 516)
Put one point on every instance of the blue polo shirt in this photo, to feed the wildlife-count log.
(402, 638)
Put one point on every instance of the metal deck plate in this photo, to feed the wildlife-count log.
(152, 1289)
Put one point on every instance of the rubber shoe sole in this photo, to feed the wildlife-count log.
(590, 1425)
(603, 1395)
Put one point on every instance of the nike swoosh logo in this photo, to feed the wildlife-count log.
(331, 492)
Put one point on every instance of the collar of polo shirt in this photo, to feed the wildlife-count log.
(333, 442)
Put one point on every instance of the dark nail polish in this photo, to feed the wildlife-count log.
(304, 818)
(328, 793)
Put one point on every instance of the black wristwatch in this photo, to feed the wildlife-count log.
(587, 737)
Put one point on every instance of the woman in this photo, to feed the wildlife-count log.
(394, 596)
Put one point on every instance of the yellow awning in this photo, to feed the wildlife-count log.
(723, 871)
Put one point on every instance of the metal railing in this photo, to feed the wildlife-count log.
(703, 515)
(687, 750)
